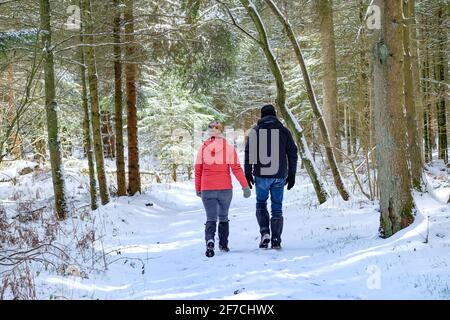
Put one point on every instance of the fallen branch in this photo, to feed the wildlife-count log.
(19, 257)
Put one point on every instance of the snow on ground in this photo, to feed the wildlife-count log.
(155, 249)
(438, 180)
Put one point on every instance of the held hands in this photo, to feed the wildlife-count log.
(250, 180)
(290, 181)
(247, 192)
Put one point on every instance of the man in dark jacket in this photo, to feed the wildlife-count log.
(271, 157)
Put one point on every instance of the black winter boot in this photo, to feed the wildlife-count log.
(210, 230)
(210, 249)
(277, 229)
(264, 243)
(224, 231)
(262, 215)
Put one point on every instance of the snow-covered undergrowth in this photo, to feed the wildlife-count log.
(151, 246)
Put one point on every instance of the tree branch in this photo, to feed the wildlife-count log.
(233, 20)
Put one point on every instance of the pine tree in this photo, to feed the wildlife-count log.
(329, 74)
(415, 158)
(442, 85)
(51, 112)
(93, 90)
(396, 201)
(87, 137)
(134, 178)
(120, 158)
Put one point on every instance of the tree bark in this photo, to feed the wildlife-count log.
(441, 72)
(51, 107)
(365, 115)
(15, 143)
(354, 130)
(291, 121)
(329, 74)
(134, 179)
(396, 202)
(426, 75)
(313, 101)
(87, 138)
(414, 50)
(95, 108)
(40, 149)
(120, 158)
(174, 172)
(414, 155)
(109, 141)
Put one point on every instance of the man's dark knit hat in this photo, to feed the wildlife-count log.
(268, 110)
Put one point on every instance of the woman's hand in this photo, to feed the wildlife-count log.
(247, 192)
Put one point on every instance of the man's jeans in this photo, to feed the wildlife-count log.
(274, 187)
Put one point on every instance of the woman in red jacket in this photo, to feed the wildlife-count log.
(213, 184)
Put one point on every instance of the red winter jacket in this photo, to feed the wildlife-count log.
(212, 167)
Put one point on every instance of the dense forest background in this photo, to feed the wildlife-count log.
(116, 80)
(117, 84)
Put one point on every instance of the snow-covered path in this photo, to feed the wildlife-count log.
(329, 252)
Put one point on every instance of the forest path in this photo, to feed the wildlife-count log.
(329, 252)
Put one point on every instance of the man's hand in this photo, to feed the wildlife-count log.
(247, 192)
(290, 181)
(250, 180)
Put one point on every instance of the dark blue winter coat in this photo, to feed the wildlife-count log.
(262, 144)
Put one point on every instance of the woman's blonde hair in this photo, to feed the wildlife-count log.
(216, 125)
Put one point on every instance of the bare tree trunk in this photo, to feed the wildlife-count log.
(291, 121)
(51, 107)
(87, 138)
(426, 75)
(348, 132)
(40, 149)
(414, 50)
(313, 101)
(329, 74)
(134, 179)
(174, 172)
(415, 158)
(441, 77)
(15, 143)
(109, 141)
(120, 158)
(396, 202)
(427, 131)
(189, 172)
(365, 115)
(354, 128)
(95, 108)
(372, 132)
